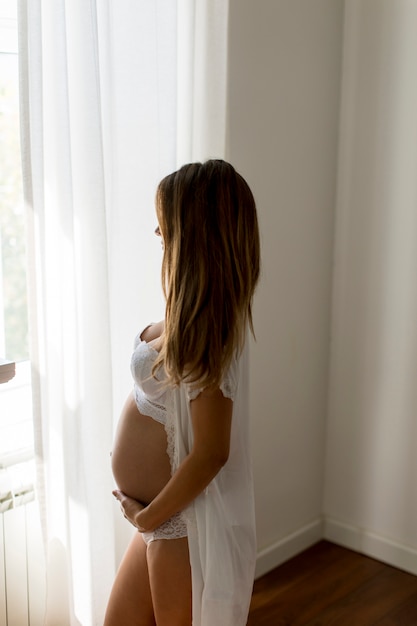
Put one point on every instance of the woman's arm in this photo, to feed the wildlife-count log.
(211, 415)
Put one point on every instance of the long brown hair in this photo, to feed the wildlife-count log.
(210, 268)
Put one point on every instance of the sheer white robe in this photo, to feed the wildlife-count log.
(221, 521)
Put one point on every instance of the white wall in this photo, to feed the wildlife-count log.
(314, 164)
(284, 77)
(370, 499)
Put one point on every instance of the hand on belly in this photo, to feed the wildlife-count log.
(140, 462)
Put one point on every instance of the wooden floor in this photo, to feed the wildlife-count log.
(329, 585)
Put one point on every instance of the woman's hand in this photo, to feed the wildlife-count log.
(130, 508)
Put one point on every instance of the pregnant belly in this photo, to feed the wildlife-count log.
(140, 462)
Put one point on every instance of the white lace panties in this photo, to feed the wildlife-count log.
(174, 528)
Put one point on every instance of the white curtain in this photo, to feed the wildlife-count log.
(113, 97)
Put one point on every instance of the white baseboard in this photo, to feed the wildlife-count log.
(352, 537)
(286, 548)
(371, 544)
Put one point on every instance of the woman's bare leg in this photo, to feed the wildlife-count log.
(170, 581)
(130, 602)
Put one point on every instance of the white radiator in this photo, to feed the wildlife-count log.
(22, 563)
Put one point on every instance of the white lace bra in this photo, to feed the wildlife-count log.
(149, 392)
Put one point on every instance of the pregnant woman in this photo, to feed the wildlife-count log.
(181, 456)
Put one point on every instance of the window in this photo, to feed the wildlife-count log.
(16, 423)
